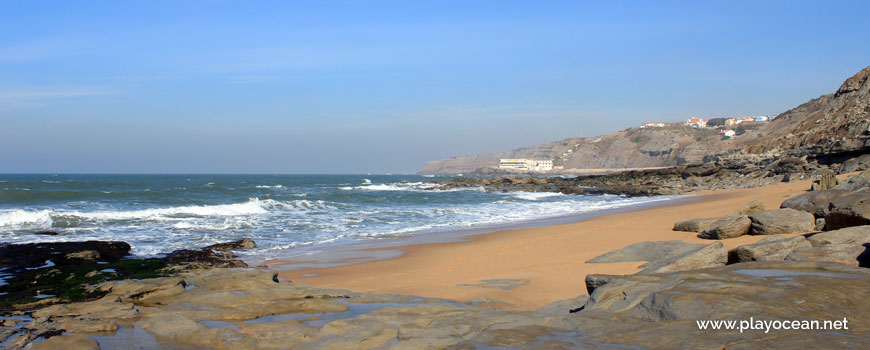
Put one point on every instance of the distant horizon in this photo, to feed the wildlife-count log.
(384, 87)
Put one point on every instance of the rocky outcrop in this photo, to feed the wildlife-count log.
(815, 202)
(774, 248)
(849, 210)
(843, 253)
(782, 221)
(731, 226)
(857, 235)
(49, 273)
(710, 255)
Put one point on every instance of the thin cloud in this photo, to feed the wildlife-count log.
(32, 97)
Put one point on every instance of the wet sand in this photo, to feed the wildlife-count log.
(532, 267)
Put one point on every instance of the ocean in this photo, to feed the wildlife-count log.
(160, 213)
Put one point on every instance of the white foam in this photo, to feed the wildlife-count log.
(18, 218)
(366, 181)
(251, 207)
(533, 196)
(270, 186)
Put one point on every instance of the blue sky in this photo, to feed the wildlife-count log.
(376, 86)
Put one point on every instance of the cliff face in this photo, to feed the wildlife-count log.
(836, 122)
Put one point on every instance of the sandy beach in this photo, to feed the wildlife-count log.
(536, 266)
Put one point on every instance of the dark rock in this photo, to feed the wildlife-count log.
(856, 164)
(774, 248)
(46, 233)
(597, 280)
(788, 166)
(782, 221)
(240, 244)
(815, 202)
(204, 257)
(694, 225)
(35, 254)
(844, 253)
(730, 226)
(711, 255)
(850, 210)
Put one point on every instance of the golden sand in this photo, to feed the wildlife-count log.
(548, 263)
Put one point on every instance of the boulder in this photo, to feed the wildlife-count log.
(597, 280)
(857, 235)
(850, 210)
(646, 251)
(710, 255)
(782, 221)
(856, 182)
(826, 181)
(815, 202)
(730, 226)
(774, 248)
(844, 253)
(753, 207)
(245, 243)
(694, 225)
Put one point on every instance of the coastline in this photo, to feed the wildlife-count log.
(532, 266)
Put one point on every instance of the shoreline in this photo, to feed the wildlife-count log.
(355, 251)
(532, 266)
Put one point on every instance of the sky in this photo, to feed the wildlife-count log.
(385, 86)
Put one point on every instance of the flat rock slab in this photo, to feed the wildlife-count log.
(782, 221)
(772, 248)
(844, 253)
(710, 255)
(758, 288)
(646, 251)
(856, 235)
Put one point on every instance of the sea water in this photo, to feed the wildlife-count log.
(160, 213)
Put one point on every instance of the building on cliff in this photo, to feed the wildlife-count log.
(696, 122)
(525, 164)
(652, 125)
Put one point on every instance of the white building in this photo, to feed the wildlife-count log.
(728, 133)
(525, 164)
(652, 125)
(696, 122)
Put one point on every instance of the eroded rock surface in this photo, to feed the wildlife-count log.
(782, 221)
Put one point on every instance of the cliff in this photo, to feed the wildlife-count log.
(832, 123)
